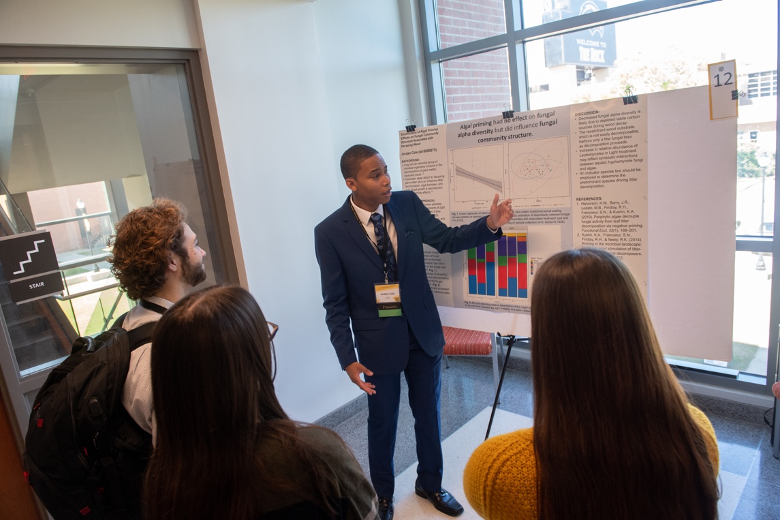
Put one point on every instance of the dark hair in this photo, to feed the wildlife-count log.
(353, 157)
(142, 244)
(212, 378)
(613, 436)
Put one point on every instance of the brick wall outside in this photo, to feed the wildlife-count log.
(478, 85)
(57, 203)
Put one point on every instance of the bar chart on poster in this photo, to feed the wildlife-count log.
(499, 268)
(627, 176)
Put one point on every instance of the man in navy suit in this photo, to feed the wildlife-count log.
(371, 250)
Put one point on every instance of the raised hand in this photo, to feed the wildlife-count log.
(499, 214)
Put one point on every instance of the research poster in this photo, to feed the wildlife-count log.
(577, 176)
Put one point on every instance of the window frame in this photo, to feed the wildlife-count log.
(12, 385)
(514, 40)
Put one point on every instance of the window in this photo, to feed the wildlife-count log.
(560, 52)
(465, 21)
(763, 84)
(477, 85)
(82, 142)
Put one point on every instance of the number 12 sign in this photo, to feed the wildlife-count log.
(723, 90)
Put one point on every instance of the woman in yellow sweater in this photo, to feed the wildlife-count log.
(614, 436)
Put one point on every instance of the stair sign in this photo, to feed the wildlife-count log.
(30, 266)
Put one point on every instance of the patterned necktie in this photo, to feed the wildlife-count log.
(382, 241)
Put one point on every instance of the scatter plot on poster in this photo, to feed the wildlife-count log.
(540, 168)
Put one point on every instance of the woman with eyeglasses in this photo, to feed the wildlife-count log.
(225, 448)
(614, 436)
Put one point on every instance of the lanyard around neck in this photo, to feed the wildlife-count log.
(146, 304)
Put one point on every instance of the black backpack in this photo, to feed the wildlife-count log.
(85, 456)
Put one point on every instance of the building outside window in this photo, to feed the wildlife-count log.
(484, 56)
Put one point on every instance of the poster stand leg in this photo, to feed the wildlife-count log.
(511, 339)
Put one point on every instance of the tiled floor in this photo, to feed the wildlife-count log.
(749, 473)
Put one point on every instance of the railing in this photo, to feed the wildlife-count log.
(84, 318)
(13, 220)
(73, 219)
(68, 297)
(93, 259)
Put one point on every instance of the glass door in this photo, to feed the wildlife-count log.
(81, 144)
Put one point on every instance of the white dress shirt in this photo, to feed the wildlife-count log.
(137, 393)
(365, 218)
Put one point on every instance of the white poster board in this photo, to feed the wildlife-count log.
(651, 181)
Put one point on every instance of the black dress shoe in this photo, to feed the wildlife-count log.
(441, 499)
(385, 508)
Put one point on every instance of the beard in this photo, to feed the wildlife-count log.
(193, 273)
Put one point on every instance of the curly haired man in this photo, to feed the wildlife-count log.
(157, 261)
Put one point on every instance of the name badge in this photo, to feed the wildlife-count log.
(388, 297)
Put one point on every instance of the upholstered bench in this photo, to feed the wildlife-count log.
(466, 342)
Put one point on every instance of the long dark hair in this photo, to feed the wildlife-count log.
(613, 436)
(212, 380)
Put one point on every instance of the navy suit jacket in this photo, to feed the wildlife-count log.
(350, 266)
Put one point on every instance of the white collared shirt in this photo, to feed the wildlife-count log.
(365, 218)
(137, 393)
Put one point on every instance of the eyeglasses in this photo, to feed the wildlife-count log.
(272, 330)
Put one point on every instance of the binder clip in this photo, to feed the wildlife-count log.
(735, 95)
(508, 112)
(629, 99)
(410, 126)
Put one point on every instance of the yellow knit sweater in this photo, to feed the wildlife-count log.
(500, 477)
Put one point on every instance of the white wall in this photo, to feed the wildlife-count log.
(363, 62)
(294, 85)
(290, 86)
(270, 102)
(107, 23)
